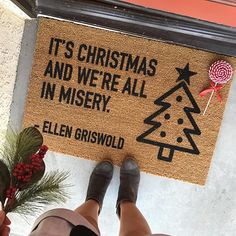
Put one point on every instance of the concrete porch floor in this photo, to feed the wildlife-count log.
(170, 206)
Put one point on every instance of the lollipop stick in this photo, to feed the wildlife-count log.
(208, 103)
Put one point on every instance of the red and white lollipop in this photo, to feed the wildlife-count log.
(220, 72)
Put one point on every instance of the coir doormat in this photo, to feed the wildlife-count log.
(96, 93)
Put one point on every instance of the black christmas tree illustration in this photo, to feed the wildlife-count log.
(177, 102)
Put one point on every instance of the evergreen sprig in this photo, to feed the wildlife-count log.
(24, 187)
(51, 188)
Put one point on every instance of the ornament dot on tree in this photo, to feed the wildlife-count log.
(179, 99)
(180, 121)
(163, 134)
(167, 116)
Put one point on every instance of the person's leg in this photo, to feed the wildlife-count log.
(132, 221)
(98, 184)
(89, 210)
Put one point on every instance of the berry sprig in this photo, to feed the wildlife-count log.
(24, 172)
(25, 188)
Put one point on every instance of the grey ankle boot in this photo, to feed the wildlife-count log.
(129, 183)
(99, 181)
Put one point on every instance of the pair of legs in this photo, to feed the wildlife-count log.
(132, 222)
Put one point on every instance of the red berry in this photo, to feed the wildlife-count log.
(11, 191)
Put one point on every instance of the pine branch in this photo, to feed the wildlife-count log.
(8, 151)
(51, 188)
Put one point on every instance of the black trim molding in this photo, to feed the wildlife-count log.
(26, 6)
(138, 20)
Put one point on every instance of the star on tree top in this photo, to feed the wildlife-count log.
(185, 74)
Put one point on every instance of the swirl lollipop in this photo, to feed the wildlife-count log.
(220, 72)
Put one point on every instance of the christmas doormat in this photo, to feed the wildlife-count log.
(100, 94)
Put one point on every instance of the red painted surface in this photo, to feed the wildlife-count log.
(201, 9)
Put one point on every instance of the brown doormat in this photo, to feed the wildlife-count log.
(96, 93)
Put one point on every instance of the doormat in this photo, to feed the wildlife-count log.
(98, 94)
